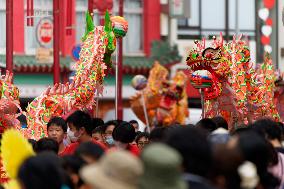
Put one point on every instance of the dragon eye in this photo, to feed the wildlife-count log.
(194, 56)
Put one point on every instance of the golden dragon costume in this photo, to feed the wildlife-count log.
(166, 100)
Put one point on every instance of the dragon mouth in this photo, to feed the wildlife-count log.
(201, 65)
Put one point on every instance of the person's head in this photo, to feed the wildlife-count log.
(97, 122)
(41, 171)
(33, 143)
(97, 134)
(158, 134)
(89, 152)
(224, 171)
(135, 124)
(107, 130)
(192, 144)
(47, 144)
(162, 162)
(281, 125)
(117, 169)
(268, 129)
(79, 125)
(72, 165)
(142, 139)
(220, 122)
(256, 149)
(56, 129)
(206, 124)
(123, 134)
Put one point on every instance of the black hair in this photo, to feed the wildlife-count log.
(241, 128)
(96, 122)
(108, 123)
(158, 134)
(72, 164)
(33, 143)
(260, 152)
(81, 119)
(42, 171)
(142, 134)
(90, 149)
(193, 146)
(281, 125)
(98, 129)
(267, 128)
(133, 122)
(59, 122)
(124, 132)
(47, 144)
(206, 124)
(220, 122)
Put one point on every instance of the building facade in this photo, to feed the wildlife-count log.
(33, 75)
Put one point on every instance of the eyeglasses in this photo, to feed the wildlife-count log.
(143, 143)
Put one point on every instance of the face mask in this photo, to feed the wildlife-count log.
(109, 140)
(72, 136)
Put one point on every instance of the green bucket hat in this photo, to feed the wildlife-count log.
(162, 168)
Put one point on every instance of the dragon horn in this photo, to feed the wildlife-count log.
(108, 24)
(240, 37)
(221, 39)
(89, 25)
(203, 43)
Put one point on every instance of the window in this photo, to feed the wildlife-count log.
(2, 26)
(81, 8)
(31, 42)
(132, 43)
(133, 9)
(209, 18)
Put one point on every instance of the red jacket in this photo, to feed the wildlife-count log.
(70, 149)
(133, 149)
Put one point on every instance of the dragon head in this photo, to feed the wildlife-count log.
(202, 58)
(114, 27)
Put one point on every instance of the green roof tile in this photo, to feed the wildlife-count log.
(161, 51)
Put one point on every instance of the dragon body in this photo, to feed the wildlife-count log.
(95, 58)
(239, 93)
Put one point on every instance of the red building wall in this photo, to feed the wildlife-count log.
(19, 32)
(151, 23)
(67, 41)
(151, 26)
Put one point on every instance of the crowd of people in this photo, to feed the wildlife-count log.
(85, 153)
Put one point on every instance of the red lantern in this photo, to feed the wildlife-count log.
(265, 40)
(103, 5)
(269, 22)
(269, 3)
